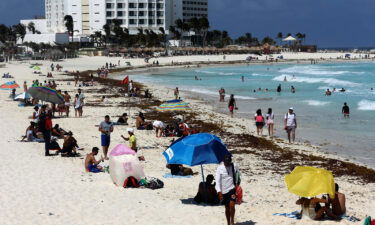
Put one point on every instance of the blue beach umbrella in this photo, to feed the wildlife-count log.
(197, 149)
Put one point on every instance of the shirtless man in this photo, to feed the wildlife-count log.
(67, 102)
(91, 164)
(338, 203)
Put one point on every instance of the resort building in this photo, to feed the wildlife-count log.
(91, 15)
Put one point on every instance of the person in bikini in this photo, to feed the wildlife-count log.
(67, 102)
(91, 164)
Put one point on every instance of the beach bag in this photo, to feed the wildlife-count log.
(154, 183)
(131, 182)
(237, 181)
(239, 194)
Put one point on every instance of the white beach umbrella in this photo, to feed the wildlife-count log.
(289, 38)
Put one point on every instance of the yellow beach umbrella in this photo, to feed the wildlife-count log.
(308, 181)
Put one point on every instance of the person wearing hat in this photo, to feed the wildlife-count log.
(290, 125)
(227, 177)
(132, 139)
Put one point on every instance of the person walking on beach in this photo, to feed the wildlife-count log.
(259, 121)
(81, 98)
(232, 105)
(226, 181)
(176, 93)
(270, 122)
(67, 103)
(222, 94)
(25, 86)
(106, 128)
(290, 125)
(346, 110)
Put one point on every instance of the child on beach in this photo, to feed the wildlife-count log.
(270, 121)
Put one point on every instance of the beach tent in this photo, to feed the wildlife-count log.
(123, 163)
(196, 149)
(289, 38)
(9, 85)
(177, 106)
(309, 182)
(23, 96)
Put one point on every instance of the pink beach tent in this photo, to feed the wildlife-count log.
(123, 163)
(122, 149)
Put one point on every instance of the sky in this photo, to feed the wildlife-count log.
(327, 23)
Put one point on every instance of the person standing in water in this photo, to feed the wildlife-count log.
(292, 89)
(222, 94)
(232, 105)
(278, 88)
(242, 78)
(270, 121)
(345, 110)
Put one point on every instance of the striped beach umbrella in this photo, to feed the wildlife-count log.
(9, 85)
(178, 106)
(46, 94)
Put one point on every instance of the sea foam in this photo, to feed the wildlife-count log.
(366, 105)
(316, 70)
(329, 81)
(316, 102)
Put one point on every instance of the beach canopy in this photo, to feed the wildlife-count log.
(9, 85)
(23, 96)
(46, 94)
(122, 149)
(177, 106)
(289, 38)
(124, 163)
(196, 149)
(309, 182)
(36, 68)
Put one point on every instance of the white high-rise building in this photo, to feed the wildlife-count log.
(90, 15)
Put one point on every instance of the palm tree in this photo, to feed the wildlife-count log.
(204, 25)
(268, 40)
(31, 27)
(279, 36)
(20, 31)
(299, 36)
(107, 31)
(163, 37)
(69, 24)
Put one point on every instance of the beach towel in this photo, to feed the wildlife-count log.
(294, 215)
(169, 175)
(349, 218)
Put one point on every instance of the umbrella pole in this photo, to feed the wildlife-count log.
(204, 184)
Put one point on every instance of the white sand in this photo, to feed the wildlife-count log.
(54, 190)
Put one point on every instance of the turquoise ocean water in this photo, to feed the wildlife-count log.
(319, 116)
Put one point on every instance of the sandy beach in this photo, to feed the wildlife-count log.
(55, 190)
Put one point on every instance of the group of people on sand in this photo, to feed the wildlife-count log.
(334, 208)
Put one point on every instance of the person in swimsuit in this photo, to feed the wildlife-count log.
(270, 122)
(67, 102)
(91, 164)
(338, 203)
(259, 121)
(346, 110)
(232, 105)
(311, 208)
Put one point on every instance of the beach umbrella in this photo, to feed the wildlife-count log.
(308, 182)
(196, 149)
(23, 96)
(9, 85)
(173, 106)
(46, 94)
(122, 149)
(36, 68)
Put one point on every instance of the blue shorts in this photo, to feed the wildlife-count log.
(94, 169)
(106, 140)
